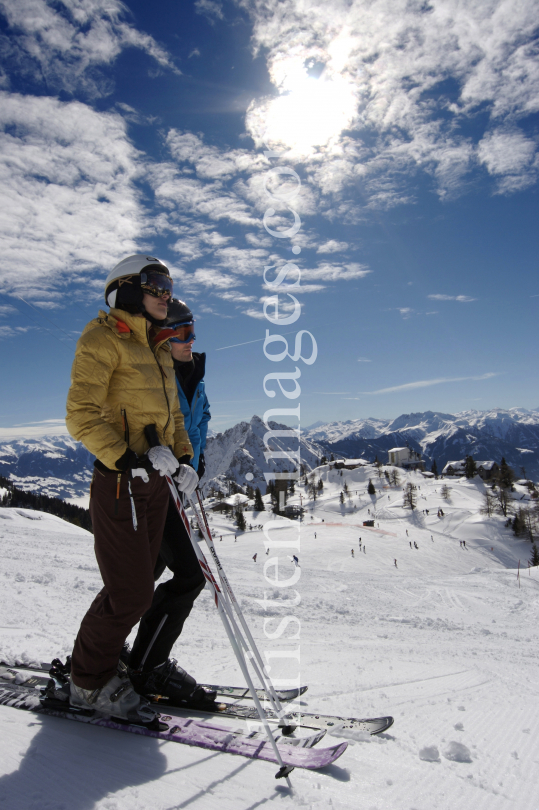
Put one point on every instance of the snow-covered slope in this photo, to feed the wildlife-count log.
(485, 435)
(447, 642)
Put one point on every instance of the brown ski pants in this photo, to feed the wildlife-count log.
(126, 560)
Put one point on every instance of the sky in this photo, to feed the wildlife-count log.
(385, 152)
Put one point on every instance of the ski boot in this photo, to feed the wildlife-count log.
(173, 685)
(116, 699)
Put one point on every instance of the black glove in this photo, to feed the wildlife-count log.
(201, 469)
(130, 461)
(184, 459)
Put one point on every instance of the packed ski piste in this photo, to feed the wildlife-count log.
(420, 612)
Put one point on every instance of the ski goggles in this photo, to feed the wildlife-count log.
(156, 284)
(184, 333)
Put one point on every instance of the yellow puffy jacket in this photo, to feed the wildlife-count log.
(119, 385)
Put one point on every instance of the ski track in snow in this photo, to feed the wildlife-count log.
(447, 643)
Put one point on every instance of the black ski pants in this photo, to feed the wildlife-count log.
(173, 598)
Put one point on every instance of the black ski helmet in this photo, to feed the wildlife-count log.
(178, 313)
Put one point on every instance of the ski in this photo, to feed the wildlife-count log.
(235, 692)
(327, 722)
(187, 731)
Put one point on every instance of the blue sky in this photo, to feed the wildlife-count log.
(412, 127)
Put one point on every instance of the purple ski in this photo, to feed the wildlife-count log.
(192, 732)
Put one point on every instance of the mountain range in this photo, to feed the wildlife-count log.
(58, 466)
(443, 437)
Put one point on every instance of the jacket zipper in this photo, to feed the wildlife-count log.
(163, 378)
(194, 402)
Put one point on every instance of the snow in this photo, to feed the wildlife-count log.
(447, 643)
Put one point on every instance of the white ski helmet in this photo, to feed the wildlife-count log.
(131, 266)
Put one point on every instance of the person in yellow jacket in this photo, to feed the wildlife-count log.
(121, 382)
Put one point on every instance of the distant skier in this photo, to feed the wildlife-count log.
(410, 544)
(415, 544)
(352, 550)
(254, 557)
(395, 561)
(315, 535)
(296, 561)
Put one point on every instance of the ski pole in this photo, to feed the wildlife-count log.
(252, 649)
(284, 770)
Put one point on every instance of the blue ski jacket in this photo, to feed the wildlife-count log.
(196, 414)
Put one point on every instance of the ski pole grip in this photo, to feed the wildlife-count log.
(150, 431)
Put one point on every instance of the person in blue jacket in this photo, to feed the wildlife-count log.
(150, 669)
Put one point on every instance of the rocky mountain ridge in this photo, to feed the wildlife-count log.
(58, 466)
(512, 433)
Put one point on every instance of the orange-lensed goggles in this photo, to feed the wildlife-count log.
(184, 333)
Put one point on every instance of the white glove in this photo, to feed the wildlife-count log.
(163, 460)
(140, 472)
(187, 479)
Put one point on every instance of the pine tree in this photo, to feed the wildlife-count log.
(259, 503)
(410, 498)
(470, 468)
(506, 475)
(341, 497)
(489, 503)
(434, 468)
(445, 492)
(519, 524)
(535, 555)
(240, 520)
(370, 489)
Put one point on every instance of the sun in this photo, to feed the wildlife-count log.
(309, 112)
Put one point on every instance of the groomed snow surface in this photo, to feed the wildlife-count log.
(447, 642)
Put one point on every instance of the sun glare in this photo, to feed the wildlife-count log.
(309, 112)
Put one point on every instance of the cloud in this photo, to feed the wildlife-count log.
(194, 52)
(210, 9)
(427, 383)
(211, 277)
(510, 156)
(236, 297)
(332, 246)
(13, 331)
(336, 272)
(363, 360)
(69, 202)
(63, 45)
(463, 299)
(416, 75)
